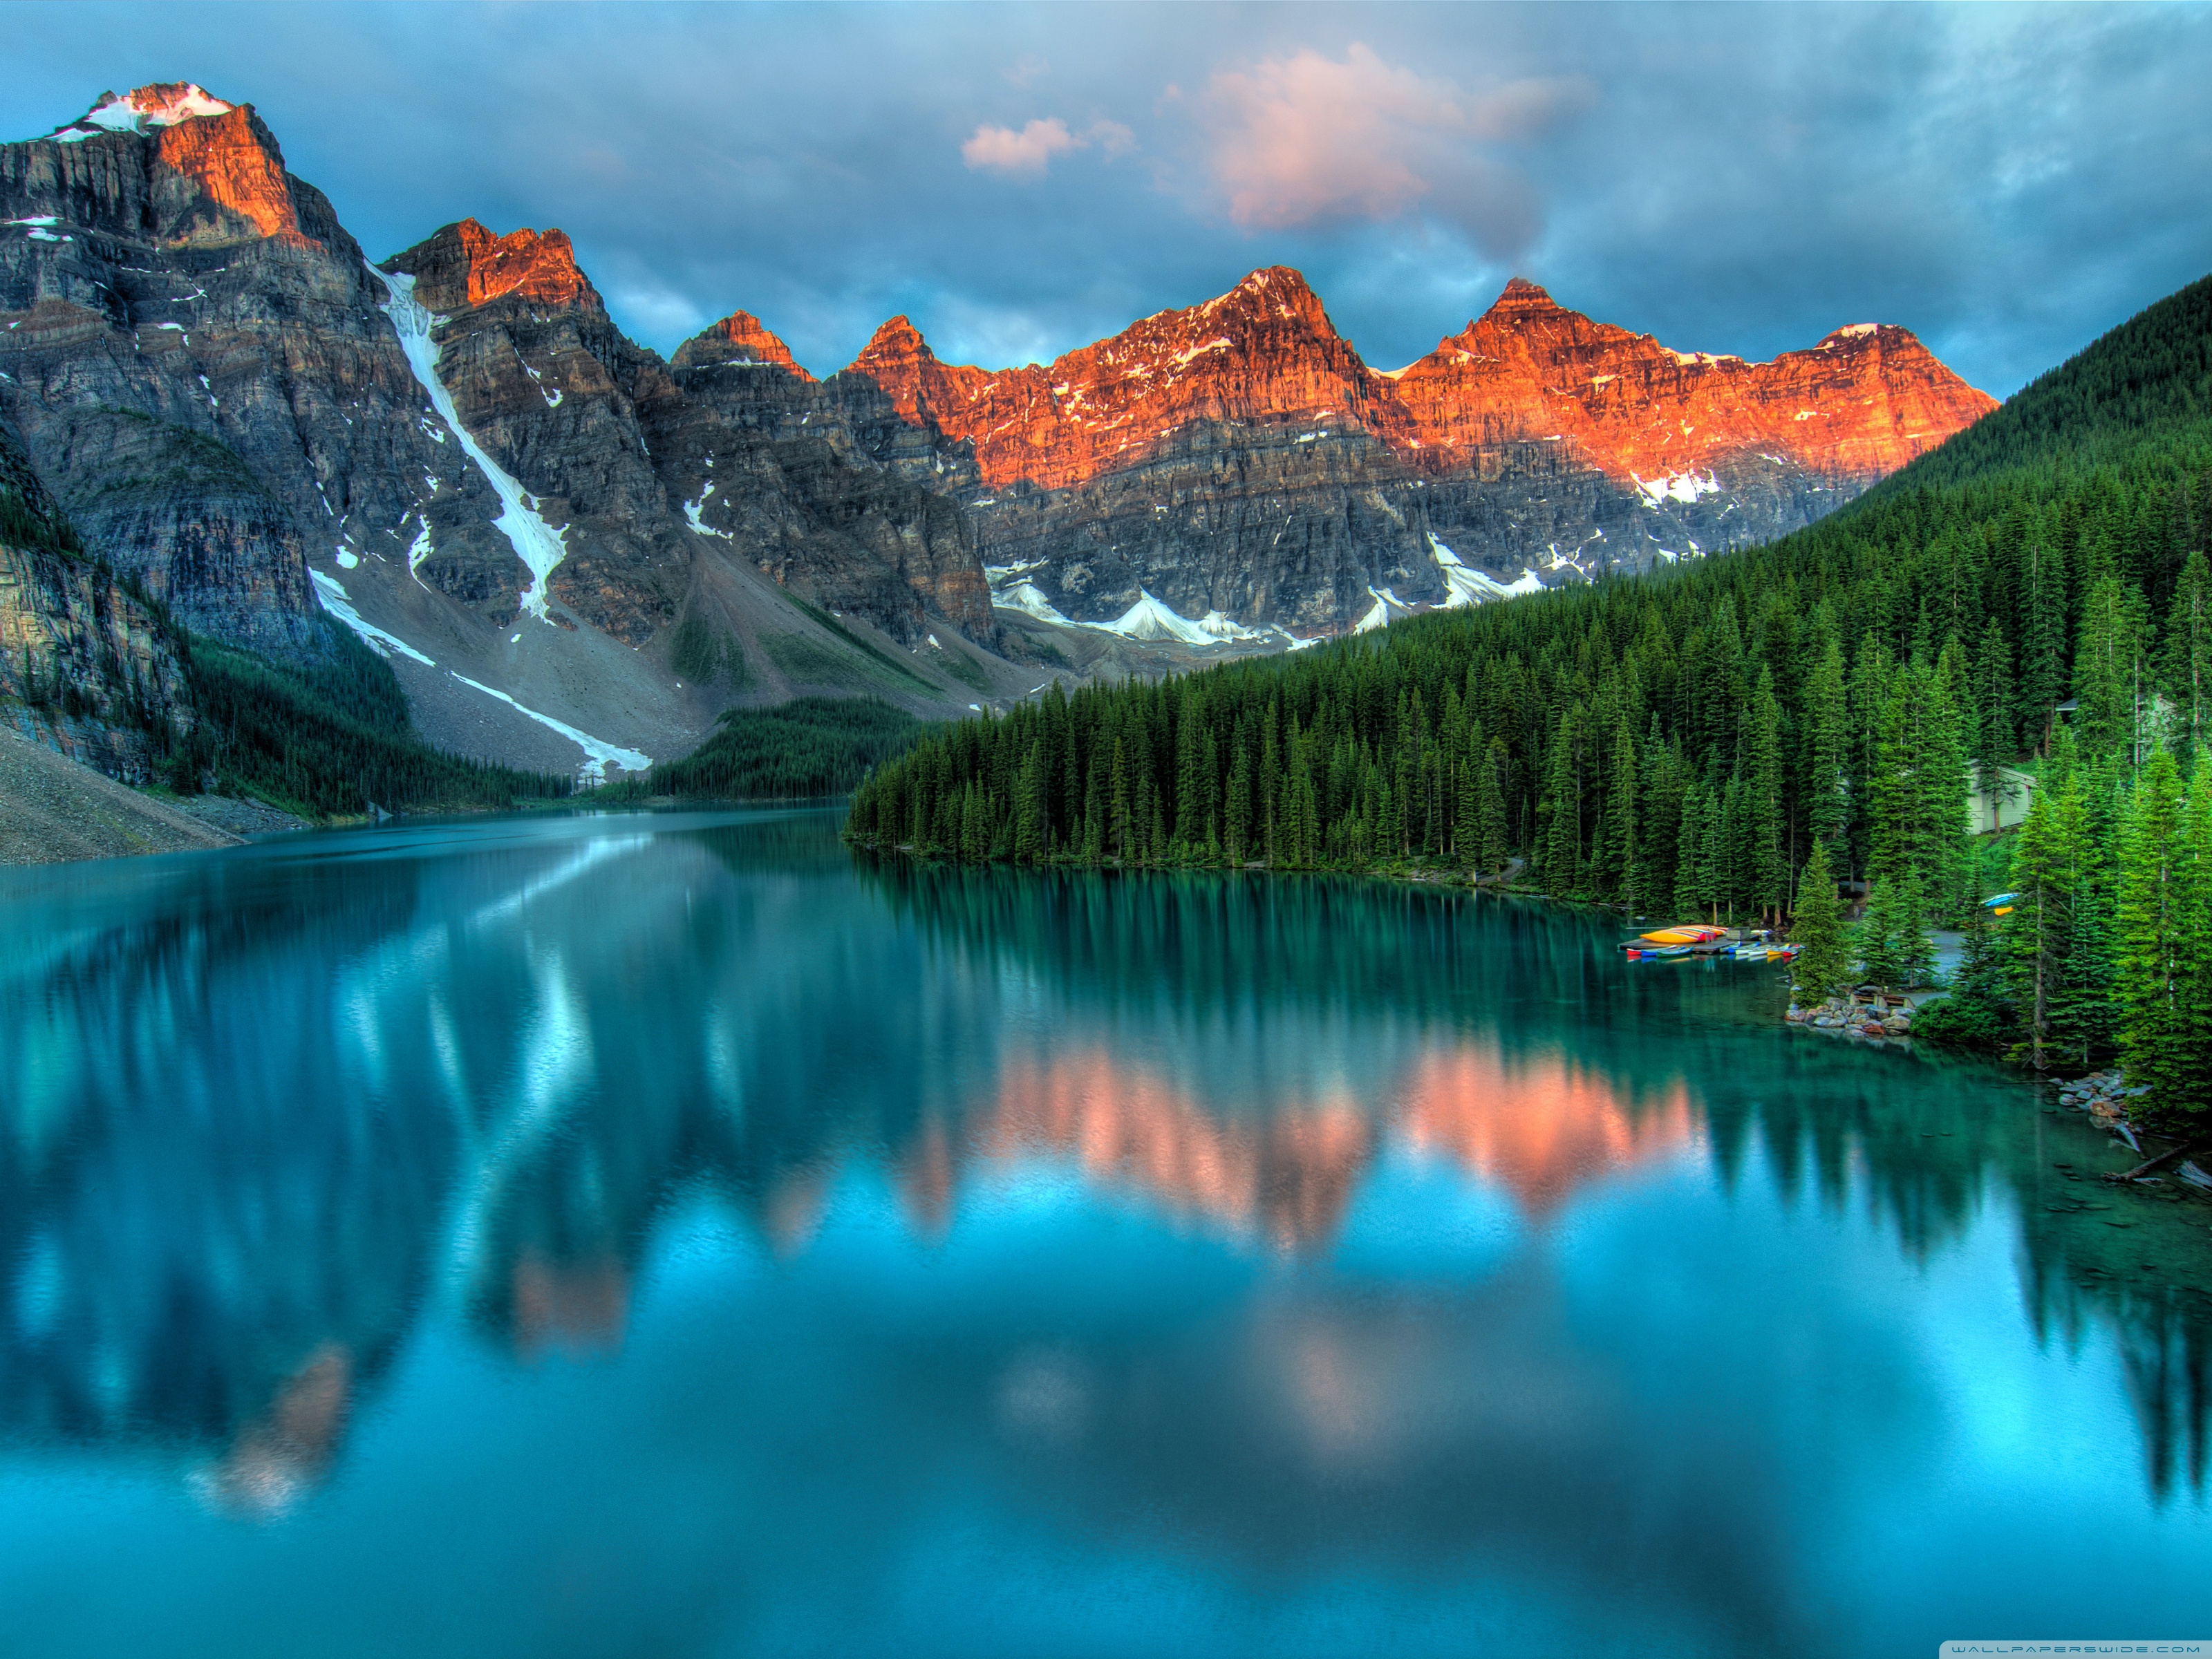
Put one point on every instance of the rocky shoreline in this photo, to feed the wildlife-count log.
(1858, 1017)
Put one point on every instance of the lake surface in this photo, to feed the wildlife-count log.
(671, 1235)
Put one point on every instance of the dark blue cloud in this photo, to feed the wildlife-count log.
(2008, 182)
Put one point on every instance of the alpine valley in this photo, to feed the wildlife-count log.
(229, 435)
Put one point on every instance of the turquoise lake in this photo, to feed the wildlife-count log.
(673, 1234)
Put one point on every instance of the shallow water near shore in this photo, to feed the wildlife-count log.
(671, 1234)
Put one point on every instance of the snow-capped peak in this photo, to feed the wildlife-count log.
(162, 105)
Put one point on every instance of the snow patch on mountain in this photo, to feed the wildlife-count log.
(1684, 487)
(1149, 619)
(692, 510)
(331, 594)
(1029, 598)
(536, 543)
(1386, 608)
(143, 111)
(597, 753)
(1469, 586)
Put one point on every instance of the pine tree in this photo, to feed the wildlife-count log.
(1659, 820)
(2187, 668)
(1121, 824)
(2153, 900)
(1724, 845)
(2091, 812)
(1563, 848)
(1467, 805)
(2193, 947)
(1029, 814)
(1490, 809)
(1894, 938)
(1693, 891)
(1942, 869)
(1238, 837)
(1767, 869)
(1870, 699)
(1822, 965)
(1994, 742)
(2043, 642)
(1828, 779)
(2038, 941)
(1620, 873)
(2109, 665)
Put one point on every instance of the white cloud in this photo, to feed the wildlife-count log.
(1026, 154)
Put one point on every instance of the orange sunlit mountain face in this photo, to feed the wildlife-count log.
(1542, 1127)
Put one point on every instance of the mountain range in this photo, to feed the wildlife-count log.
(575, 553)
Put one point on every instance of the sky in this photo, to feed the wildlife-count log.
(1019, 180)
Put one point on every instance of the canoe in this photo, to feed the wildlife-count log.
(1683, 935)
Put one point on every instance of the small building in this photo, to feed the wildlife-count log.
(2001, 807)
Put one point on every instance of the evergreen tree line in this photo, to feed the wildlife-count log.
(797, 751)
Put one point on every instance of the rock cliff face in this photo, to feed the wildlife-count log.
(1239, 458)
(647, 468)
(1263, 355)
(460, 456)
(193, 355)
(834, 493)
(83, 663)
(1859, 405)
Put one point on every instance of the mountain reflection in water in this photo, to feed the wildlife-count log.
(263, 1118)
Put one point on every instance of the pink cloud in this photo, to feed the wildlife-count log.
(1027, 153)
(1304, 138)
(1024, 155)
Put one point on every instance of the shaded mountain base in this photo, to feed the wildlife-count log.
(52, 810)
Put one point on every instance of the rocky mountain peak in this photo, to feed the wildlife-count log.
(465, 265)
(898, 342)
(740, 340)
(1263, 354)
(1520, 298)
(1860, 403)
(1281, 289)
(542, 269)
(221, 147)
(1865, 336)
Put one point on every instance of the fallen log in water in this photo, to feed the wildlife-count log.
(2187, 1149)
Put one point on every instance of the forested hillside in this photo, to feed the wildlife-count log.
(801, 750)
(1678, 744)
